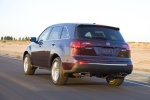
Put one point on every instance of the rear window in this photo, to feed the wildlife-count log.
(97, 32)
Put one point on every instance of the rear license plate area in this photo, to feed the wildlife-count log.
(107, 51)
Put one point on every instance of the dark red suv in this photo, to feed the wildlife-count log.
(76, 50)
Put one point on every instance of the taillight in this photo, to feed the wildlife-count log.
(126, 46)
(80, 44)
(77, 45)
(85, 44)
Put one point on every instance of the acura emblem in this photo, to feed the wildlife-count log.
(107, 44)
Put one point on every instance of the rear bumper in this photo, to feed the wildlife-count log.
(100, 68)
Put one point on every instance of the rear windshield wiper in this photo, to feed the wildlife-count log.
(99, 37)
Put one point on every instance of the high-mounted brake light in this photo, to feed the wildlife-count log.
(110, 27)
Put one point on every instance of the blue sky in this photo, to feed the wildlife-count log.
(19, 18)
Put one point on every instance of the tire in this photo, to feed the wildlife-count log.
(114, 81)
(57, 75)
(28, 69)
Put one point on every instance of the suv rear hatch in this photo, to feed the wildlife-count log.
(100, 44)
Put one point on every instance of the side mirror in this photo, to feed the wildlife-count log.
(33, 39)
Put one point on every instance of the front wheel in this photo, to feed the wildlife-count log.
(28, 69)
(57, 76)
(114, 81)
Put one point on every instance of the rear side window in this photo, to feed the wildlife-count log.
(64, 34)
(97, 32)
(56, 32)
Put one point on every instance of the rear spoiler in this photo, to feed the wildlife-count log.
(103, 26)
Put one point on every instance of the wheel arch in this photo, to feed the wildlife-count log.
(27, 51)
(52, 58)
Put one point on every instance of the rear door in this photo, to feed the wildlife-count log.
(54, 39)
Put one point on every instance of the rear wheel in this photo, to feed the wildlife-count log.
(114, 81)
(57, 76)
(28, 69)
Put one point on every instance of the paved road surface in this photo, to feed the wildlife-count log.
(14, 85)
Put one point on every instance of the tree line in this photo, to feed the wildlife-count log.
(15, 39)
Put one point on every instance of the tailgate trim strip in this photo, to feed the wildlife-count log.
(108, 64)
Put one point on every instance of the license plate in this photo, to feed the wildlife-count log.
(106, 51)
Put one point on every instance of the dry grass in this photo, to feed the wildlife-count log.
(18, 56)
(141, 69)
(13, 48)
(140, 54)
(140, 45)
(6, 54)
